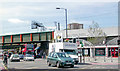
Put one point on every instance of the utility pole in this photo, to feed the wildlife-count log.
(58, 26)
(55, 25)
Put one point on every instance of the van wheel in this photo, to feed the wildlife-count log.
(48, 63)
(58, 64)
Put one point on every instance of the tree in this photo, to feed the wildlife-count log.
(96, 34)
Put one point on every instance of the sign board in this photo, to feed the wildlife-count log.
(69, 46)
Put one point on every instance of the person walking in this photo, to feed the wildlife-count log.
(5, 59)
(44, 55)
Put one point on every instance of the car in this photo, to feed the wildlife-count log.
(21, 56)
(60, 59)
(28, 57)
(14, 57)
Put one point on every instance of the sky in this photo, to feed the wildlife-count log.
(16, 16)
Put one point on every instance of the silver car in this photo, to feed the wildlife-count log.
(28, 57)
(14, 57)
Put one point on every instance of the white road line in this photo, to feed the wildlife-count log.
(87, 67)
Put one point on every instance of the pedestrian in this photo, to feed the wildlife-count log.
(5, 59)
(44, 55)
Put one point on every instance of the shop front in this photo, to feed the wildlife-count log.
(114, 51)
(107, 51)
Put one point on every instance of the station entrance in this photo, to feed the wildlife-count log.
(38, 48)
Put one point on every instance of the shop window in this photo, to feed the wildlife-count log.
(100, 52)
(116, 51)
(86, 52)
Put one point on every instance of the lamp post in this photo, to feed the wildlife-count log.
(65, 18)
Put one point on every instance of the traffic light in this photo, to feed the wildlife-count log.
(81, 43)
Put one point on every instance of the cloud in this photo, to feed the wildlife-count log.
(51, 27)
(16, 21)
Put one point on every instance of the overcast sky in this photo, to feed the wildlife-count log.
(16, 17)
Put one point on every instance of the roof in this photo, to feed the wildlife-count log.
(7, 34)
(109, 31)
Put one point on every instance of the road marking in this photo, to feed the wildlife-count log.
(34, 67)
(87, 67)
(53, 67)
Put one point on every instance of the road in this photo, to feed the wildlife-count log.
(41, 64)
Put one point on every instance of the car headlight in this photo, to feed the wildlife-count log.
(73, 60)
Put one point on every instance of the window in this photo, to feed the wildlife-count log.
(100, 51)
(52, 54)
(71, 52)
(35, 37)
(62, 55)
(26, 38)
(48, 36)
(43, 37)
(7, 39)
(55, 55)
(16, 38)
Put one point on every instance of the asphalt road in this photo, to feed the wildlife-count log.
(41, 64)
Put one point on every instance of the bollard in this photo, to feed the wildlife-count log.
(111, 59)
(104, 59)
(89, 59)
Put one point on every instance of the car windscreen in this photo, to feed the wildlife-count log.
(29, 56)
(71, 52)
(15, 56)
(62, 55)
(21, 55)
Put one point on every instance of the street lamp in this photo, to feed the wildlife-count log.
(65, 18)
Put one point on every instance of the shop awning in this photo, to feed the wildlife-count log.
(37, 48)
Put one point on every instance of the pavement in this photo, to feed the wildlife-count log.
(101, 60)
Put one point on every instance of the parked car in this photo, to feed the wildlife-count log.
(14, 57)
(21, 56)
(28, 57)
(60, 59)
